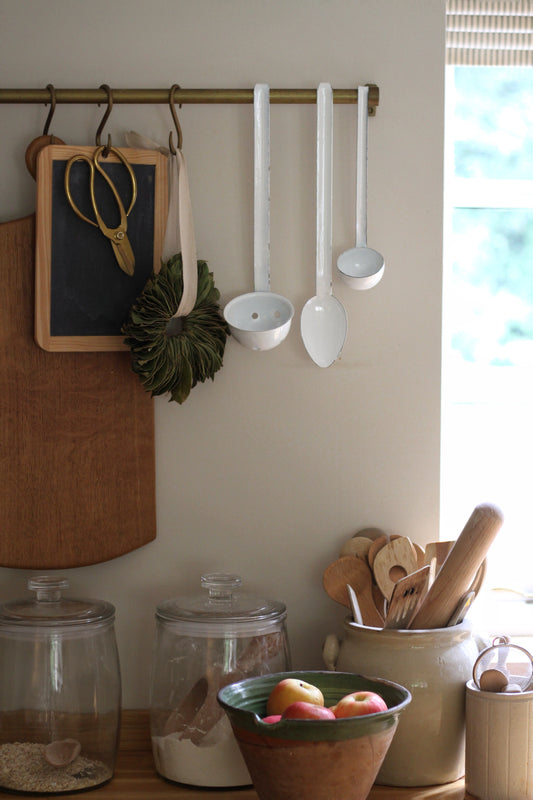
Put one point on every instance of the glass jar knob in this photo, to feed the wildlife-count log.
(47, 588)
(221, 586)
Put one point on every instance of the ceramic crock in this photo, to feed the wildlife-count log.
(429, 746)
(499, 745)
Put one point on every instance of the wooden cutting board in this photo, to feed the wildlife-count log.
(77, 471)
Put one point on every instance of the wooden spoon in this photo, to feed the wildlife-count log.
(394, 561)
(380, 601)
(356, 546)
(370, 533)
(355, 572)
(375, 547)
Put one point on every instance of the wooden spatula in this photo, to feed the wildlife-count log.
(438, 551)
(459, 569)
(406, 597)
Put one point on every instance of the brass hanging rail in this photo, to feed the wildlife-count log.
(141, 96)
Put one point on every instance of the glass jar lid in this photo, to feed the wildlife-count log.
(48, 607)
(222, 608)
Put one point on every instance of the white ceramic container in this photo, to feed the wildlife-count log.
(499, 744)
(429, 745)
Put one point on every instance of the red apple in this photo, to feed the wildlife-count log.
(272, 718)
(303, 710)
(291, 690)
(357, 704)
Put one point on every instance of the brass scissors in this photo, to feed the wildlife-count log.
(117, 236)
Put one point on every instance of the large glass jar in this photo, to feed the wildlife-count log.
(60, 691)
(203, 643)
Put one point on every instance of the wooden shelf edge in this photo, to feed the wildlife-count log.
(136, 779)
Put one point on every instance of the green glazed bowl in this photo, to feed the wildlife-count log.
(332, 759)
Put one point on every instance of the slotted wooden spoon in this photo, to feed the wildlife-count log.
(406, 597)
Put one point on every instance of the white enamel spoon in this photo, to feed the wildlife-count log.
(323, 322)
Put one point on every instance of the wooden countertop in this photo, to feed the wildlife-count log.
(136, 779)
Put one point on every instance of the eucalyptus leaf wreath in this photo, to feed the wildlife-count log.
(172, 354)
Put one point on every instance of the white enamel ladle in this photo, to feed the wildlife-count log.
(260, 320)
(361, 267)
(323, 323)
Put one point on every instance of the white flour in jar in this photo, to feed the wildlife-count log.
(217, 761)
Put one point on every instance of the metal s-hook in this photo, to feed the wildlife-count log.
(176, 121)
(108, 146)
(52, 109)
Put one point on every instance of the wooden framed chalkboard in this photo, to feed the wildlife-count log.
(82, 297)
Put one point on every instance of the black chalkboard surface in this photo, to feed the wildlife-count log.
(82, 297)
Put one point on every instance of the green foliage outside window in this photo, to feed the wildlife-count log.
(492, 248)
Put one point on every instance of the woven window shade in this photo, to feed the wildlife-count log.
(489, 32)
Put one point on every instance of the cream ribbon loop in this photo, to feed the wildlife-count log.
(180, 225)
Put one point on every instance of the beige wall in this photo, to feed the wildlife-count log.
(266, 470)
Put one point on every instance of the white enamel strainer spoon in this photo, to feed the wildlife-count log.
(260, 320)
(323, 322)
(361, 267)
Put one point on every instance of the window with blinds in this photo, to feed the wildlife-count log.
(489, 32)
(487, 357)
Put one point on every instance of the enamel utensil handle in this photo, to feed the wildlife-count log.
(354, 605)
(362, 161)
(261, 187)
(324, 188)
(459, 569)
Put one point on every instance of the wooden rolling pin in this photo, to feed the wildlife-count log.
(458, 570)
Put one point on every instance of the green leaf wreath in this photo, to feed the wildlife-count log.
(173, 354)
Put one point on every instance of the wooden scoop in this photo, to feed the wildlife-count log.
(355, 572)
(459, 569)
(199, 711)
(63, 752)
